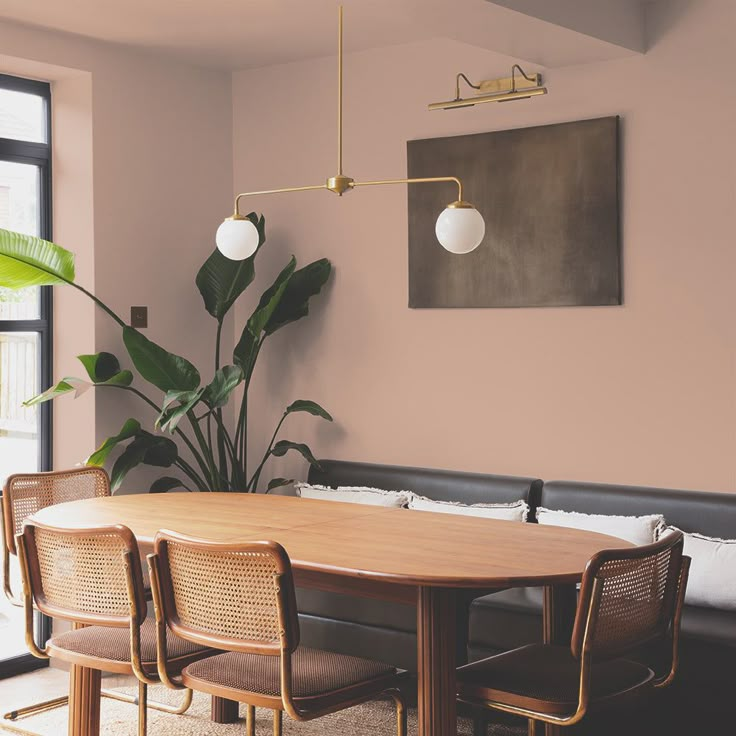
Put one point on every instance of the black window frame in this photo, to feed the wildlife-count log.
(36, 154)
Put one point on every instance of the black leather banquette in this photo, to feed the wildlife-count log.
(511, 618)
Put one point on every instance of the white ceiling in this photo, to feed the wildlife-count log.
(234, 34)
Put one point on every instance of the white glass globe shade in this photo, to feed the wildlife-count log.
(237, 239)
(460, 229)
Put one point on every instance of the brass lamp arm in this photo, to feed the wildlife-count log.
(460, 76)
(422, 180)
(516, 68)
(273, 191)
(340, 184)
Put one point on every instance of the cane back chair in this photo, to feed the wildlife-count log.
(93, 578)
(630, 599)
(23, 495)
(240, 598)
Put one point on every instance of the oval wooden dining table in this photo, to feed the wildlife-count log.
(433, 560)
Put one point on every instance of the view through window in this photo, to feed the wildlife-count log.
(25, 315)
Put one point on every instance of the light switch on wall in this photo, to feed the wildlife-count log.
(139, 316)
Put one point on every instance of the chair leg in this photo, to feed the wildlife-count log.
(278, 723)
(62, 700)
(250, 721)
(532, 727)
(480, 722)
(176, 710)
(398, 698)
(142, 708)
(32, 710)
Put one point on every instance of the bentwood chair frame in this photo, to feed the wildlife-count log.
(277, 637)
(87, 598)
(23, 495)
(601, 633)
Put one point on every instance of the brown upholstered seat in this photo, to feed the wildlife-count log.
(546, 678)
(103, 642)
(314, 672)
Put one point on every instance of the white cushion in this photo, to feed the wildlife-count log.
(516, 511)
(712, 580)
(354, 494)
(635, 529)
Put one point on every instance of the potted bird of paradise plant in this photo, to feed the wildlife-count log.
(189, 434)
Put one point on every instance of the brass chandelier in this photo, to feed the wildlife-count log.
(460, 227)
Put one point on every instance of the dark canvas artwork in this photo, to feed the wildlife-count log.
(549, 196)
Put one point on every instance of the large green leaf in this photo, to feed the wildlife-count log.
(28, 261)
(303, 285)
(225, 381)
(62, 387)
(283, 446)
(124, 378)
(167, 483)
(129, 430)
(270, 299)
(104, 370)
(176, 406)
(165, 370)
(147, 449)
(221, 281)
(100, 366)
(311, 407)
(278, 483)
(246, 350)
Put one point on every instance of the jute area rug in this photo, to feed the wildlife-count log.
(119, 719)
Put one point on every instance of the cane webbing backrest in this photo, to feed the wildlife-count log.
(638, 591)
(83, 574)
(241, 596)
(25, 494)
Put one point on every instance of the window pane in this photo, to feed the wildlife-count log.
(19, 211)
(19, 381)
(22, 116)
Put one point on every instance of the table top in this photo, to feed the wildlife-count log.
(384, 544)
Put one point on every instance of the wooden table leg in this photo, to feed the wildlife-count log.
(436, 654)
(224, 711)
(84, 701)
(560, 605)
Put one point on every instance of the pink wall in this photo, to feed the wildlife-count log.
(142, 176)
(643, 393)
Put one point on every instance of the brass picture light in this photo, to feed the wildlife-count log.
(496, 90)
(460, 227)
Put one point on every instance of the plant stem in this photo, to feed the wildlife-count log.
(217, 345)
(99, 303)
(257, 475)
(241, 432)
(190, 472)
(218, 412)
(212, 470)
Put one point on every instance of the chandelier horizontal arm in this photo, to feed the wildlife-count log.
(422, 180)
(275, 191)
